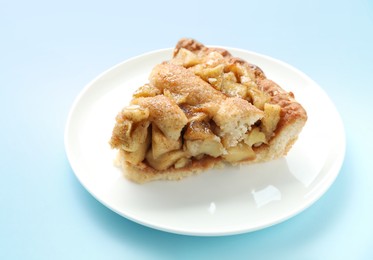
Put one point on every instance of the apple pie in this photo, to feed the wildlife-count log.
(204, 108)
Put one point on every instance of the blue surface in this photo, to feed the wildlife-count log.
(50, 51)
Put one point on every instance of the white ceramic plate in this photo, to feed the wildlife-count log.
(217, 202)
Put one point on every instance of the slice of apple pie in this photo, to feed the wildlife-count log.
(200, 109)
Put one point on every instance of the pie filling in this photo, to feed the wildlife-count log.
(201, 104)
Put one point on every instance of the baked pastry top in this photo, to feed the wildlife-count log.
(202, 108)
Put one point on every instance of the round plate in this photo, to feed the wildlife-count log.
(224, 201)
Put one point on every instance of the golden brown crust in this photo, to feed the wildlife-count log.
(181, 100)
(182, 81)
(189, 44)
(291, 110)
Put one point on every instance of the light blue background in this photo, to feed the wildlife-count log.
(49, 50)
